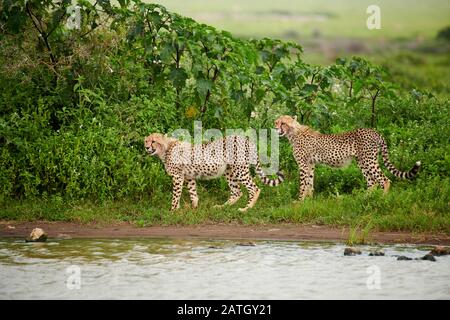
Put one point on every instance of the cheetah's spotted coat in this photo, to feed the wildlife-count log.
(230, 156)
(311, 147)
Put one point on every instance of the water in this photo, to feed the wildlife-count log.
(182, 269)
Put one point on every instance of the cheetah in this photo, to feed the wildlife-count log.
(311, 147)
(230, 156)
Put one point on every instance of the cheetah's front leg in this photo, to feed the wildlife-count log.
(306, 180)
(177, 182)
(253, 190)
(192, 187)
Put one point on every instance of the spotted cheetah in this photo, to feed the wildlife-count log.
(230, 156)
(311, 147)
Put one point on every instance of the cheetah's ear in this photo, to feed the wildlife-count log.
(295, 118)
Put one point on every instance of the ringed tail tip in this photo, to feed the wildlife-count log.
(273, 182)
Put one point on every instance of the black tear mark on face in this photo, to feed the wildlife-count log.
(151, 146)
(283, 129)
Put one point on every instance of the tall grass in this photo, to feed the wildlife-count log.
(404, 208)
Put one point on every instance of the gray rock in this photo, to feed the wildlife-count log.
(376, 253)
(351, 251)
(403, 258)
(428, 257)
(37, 235)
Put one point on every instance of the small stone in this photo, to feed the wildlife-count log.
(351, 251)
(440, 251)
(428, 257)
(376, 253)
(11, 227)
(37, 235)
(400, 258)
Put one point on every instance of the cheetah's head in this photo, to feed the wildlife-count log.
(157, 144)
(286, 125)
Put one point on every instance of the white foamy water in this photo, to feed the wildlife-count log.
(184, 269)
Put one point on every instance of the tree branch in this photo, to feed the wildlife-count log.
(42, 34)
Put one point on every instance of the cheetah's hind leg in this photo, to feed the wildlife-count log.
(235, 189)
(253, 198)
(253, 190)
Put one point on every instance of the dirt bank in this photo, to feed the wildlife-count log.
(213, 231)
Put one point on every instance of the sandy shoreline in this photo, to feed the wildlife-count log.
(213, 231)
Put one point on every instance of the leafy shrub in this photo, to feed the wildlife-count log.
(76, 103)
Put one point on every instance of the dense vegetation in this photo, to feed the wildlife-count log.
(77, 102)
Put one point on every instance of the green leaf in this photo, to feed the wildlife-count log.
(178, 76)
(309, 88)
(106, 5)
(135, 31)
(259, 70)
(16, 18)
(325, 83)
(259, 94)
(237, 95)
(155, 17)
(281, 52)
(357, 86)
(197, 69)
(123, 3)
(341, 61)
(203, 85)
(265, 55)
(288, 80)
(167, 53)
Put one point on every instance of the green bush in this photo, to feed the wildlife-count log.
(76, 104)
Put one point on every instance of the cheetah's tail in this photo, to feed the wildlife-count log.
(399, 174)
(270, 182)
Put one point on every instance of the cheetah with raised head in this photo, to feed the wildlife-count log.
(230, 156)
(311, 147)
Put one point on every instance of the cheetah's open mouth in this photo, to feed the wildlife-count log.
(151, 151)
(281, 132)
